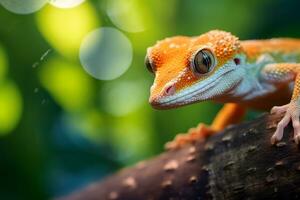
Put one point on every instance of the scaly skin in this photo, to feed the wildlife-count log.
(258, 74)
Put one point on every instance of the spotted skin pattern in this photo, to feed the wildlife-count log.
(171, 56)
(258, 74)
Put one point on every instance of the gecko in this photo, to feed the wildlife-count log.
(217, 66)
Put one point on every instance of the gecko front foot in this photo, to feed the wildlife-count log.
(292, 113)
(194, 134)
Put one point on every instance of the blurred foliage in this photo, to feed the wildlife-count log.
(3, 63)
(10, 106)
(138, 20)
(64, 29)
(69, 85)
(59, 127)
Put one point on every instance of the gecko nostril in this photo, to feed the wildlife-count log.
(170, 90)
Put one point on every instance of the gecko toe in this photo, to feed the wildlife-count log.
(274, 110)
(297, 139)
(296, 126)
(201, 132)
(292, 113)
(273, 140)
(279, 109)
(276, 137)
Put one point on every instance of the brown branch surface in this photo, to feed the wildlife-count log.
(236, 164)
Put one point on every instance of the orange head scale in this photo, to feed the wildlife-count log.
(192, 69)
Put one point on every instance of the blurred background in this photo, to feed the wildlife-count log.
(74, 89)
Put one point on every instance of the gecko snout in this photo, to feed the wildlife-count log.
(156, 100)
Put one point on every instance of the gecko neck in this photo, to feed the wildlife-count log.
(250, 85)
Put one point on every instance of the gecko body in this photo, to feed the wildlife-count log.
(217, 66)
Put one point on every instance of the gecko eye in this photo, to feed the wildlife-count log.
(149, 65)
(203, 62)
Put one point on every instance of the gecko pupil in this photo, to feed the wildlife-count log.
(203, 62)
(206, 60)
(148, 65)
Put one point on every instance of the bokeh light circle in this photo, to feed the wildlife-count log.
(106, 53)
(127, 15)
(65, 29)
(23, 6)
(65, 3)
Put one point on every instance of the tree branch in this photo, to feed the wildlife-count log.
(236, 164)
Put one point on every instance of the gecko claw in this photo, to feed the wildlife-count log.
(277, 136)
(297, 139)
(273, 140)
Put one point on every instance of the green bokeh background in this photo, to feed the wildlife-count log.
(61, 129)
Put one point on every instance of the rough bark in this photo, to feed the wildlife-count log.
(239, 163)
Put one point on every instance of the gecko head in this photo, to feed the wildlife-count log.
(192, 69)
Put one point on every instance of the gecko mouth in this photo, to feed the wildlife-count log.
(191, 95)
